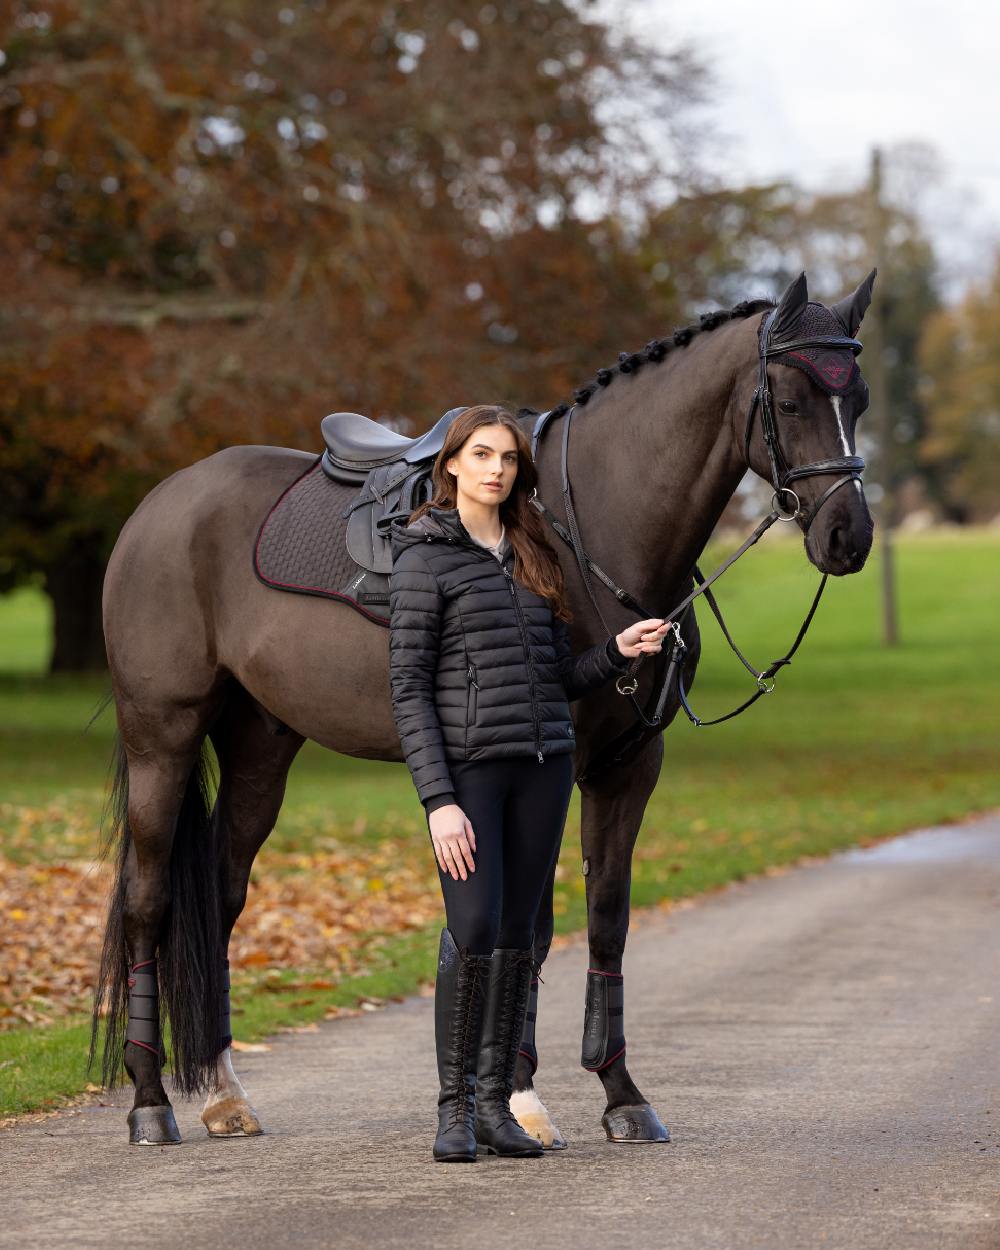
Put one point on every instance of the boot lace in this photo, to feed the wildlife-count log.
(472, 987)
(512, 1005)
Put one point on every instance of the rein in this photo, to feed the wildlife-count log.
(781, 476)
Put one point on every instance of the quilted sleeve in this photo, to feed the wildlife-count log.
(591, 668)
(415, 610)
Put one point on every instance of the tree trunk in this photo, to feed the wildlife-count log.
(74, 586)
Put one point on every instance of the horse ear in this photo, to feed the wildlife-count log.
(852, 309)
(790, 308)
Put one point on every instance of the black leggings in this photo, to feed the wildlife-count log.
(517, 809)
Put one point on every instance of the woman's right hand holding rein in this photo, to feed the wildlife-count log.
(453, 839)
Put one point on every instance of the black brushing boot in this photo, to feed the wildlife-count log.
(459, 995)
(497, 1129)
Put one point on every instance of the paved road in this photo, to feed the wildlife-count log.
(823, 1045)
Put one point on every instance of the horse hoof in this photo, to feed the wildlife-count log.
(530, 1112)
(232, 1117)
(152, 1126)
(634, 1124)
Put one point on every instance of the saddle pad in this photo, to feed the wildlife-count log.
(301, 546)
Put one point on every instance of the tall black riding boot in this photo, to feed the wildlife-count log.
(497, 1129)
(459, 996)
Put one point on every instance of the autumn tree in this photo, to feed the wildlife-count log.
(223, 219)
(960, 355)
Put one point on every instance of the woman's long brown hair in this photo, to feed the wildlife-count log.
(536, 565)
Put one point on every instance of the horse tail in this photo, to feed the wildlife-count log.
(190, 954)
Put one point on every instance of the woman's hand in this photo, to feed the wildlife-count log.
(643, 638)
(454, 840)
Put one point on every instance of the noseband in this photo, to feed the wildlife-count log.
(781, 475)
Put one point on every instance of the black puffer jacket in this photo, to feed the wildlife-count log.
(480, 668)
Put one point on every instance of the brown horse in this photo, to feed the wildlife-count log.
(200, 649)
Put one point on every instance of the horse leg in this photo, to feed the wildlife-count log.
(254, 755)
(529, 1110)
(612, 810)
(156, 790)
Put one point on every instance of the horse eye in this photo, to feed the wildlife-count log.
(789, 406)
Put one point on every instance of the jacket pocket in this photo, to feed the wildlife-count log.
(473, 692)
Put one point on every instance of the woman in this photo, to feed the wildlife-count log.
(482, 675)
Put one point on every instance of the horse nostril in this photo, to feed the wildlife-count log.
(842, 548)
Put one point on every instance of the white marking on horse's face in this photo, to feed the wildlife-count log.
(835, 404)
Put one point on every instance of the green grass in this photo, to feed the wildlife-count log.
(25, 631)
(858, 742)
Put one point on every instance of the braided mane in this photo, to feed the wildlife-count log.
(656, 350)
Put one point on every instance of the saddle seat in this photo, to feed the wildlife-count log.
(357, 443)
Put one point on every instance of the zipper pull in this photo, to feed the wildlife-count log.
(541, 758)
(472, 677)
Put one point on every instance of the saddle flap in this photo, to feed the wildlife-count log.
(390, 493)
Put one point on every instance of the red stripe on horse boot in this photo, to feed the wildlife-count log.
(143, 1025)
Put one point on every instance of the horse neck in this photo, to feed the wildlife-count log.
(653, 462)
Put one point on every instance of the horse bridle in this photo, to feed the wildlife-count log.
(781, 475)
(850, 468)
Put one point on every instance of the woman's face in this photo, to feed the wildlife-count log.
(486, 465)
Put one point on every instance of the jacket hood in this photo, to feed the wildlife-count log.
(436, 525)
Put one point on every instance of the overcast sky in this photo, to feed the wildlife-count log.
(806, 90)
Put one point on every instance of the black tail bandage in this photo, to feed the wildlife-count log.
(604, 1020)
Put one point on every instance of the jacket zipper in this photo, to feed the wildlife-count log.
(477, 551)
(472, 707)
(527, 656)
